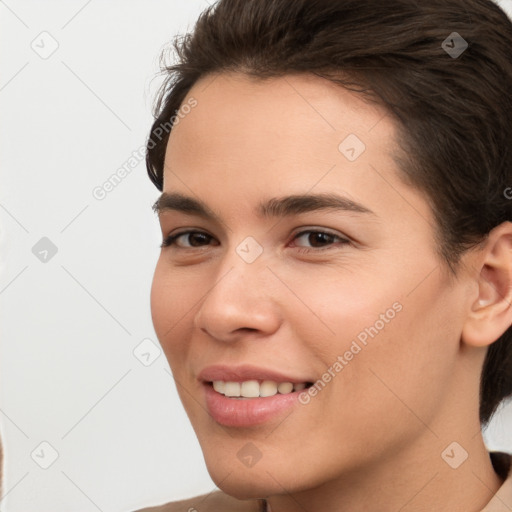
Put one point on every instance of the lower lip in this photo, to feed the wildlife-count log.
(233, 412)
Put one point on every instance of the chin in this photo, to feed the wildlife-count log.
(244, 484)
(267, 477)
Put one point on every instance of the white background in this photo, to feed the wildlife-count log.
(69, 325)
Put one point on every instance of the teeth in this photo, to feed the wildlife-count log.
(253, 388)
(232, 389)
(268, 388)
(285, 387)
(219, 385)
(250, 389)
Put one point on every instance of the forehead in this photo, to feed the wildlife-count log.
(288, 115)
(246, 140)
(290, 122)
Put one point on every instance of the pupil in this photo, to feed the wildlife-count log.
(196, 236)
(319, 236)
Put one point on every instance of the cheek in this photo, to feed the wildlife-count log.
(338, 308)
(161, 302)
(403, 363)
(172, 302)
(385, 345)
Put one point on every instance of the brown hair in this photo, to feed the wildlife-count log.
(453, 112)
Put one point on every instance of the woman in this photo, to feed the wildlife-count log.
(334, 287)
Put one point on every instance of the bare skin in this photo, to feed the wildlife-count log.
(373, 438)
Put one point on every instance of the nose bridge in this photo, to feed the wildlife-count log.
(244, 270)
(241, 296)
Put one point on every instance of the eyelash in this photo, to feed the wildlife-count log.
(171, 240)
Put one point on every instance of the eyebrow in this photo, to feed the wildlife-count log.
(274, 207)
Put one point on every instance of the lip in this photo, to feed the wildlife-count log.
(234, 412)
(246, 372)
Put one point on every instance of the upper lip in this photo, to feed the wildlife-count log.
(245, 372)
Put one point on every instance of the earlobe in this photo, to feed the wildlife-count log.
(491, 313)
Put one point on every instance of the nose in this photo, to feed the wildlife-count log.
(242, 299)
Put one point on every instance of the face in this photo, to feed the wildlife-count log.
(343, 290)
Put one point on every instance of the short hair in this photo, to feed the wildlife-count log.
(452, 103)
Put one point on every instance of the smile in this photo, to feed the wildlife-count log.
(245, 396)
(256, 389)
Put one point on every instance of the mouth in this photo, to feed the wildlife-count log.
(246, 396)
(248, 389)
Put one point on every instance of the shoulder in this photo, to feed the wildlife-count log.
(214, 502)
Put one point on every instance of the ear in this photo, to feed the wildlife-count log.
(491, 312)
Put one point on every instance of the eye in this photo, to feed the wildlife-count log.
(194, 239)
(318, 240)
